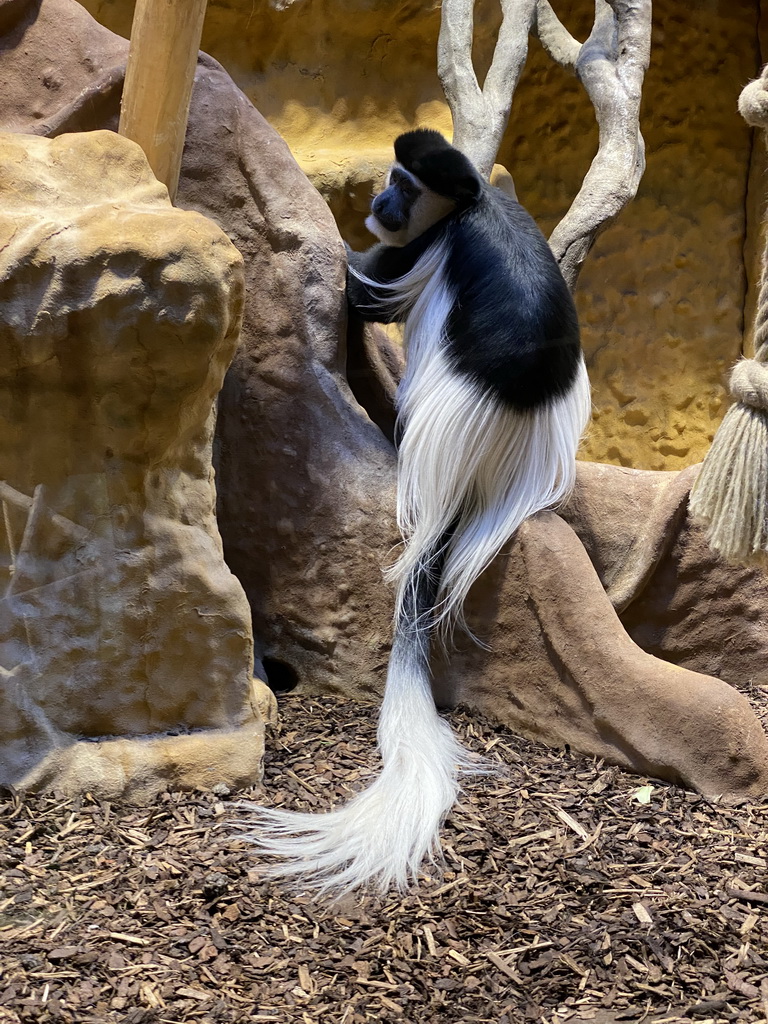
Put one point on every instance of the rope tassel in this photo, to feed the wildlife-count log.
(730, 496)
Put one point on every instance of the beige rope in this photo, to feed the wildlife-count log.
(749, 383)
(753, 102)
(730, 496)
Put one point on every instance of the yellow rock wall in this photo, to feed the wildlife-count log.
(662, 296)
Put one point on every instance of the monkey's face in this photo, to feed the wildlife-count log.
(405, 209)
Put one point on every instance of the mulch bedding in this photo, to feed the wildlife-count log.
(571, 891)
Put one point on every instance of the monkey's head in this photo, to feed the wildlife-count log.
(429, 180)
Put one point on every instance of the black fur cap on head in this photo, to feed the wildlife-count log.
(441, 167)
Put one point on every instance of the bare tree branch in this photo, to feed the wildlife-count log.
(555, 37)
(611, 65)
(480, 115)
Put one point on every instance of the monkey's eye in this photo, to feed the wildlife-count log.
(402, 182)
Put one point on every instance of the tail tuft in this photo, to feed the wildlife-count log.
(383, 836)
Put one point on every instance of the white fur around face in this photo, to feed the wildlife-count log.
(427, 210)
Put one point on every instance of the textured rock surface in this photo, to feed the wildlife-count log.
(596, 689)
(118, 316)
(676, 599)
(661, 297)
(307, 479)
(561, 668)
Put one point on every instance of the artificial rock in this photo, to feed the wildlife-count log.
(119, 316)
(661, 297)
(306, 477)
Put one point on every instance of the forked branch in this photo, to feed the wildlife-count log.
(480, 115)
(611, 65)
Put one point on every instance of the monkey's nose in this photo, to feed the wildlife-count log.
(384, 215)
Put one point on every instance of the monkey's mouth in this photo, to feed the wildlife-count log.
(388, 223)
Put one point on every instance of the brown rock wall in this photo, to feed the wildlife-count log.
(306, 480)
(564, 670)
(662, 295)
(307, 483)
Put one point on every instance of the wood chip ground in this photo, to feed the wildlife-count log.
(571, 891)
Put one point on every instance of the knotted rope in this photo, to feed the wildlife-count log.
(730, 495)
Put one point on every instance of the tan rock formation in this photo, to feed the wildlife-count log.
(306, 479)
(648, 714)
(119, 316)
(662, 295)
(561, 668)
(676, 599)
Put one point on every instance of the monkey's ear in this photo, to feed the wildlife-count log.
(439, 165)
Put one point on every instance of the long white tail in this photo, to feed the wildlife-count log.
(385, 833)
(470, 472)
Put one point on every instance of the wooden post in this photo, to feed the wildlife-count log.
(165, 39)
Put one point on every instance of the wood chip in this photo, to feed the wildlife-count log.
(390, 1005)
(635, 964)
(454, 954)
(563, 899)
(642, 914)
(745, 858)
(566, 818)
(749, 923)
(192, 993)
(135, 940)
(497, 961)
(748, 895)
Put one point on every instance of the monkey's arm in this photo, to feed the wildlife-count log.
(383, 263)
(370, 303)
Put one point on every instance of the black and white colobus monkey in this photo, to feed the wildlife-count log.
(491, 409)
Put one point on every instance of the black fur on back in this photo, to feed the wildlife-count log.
(513, 327)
